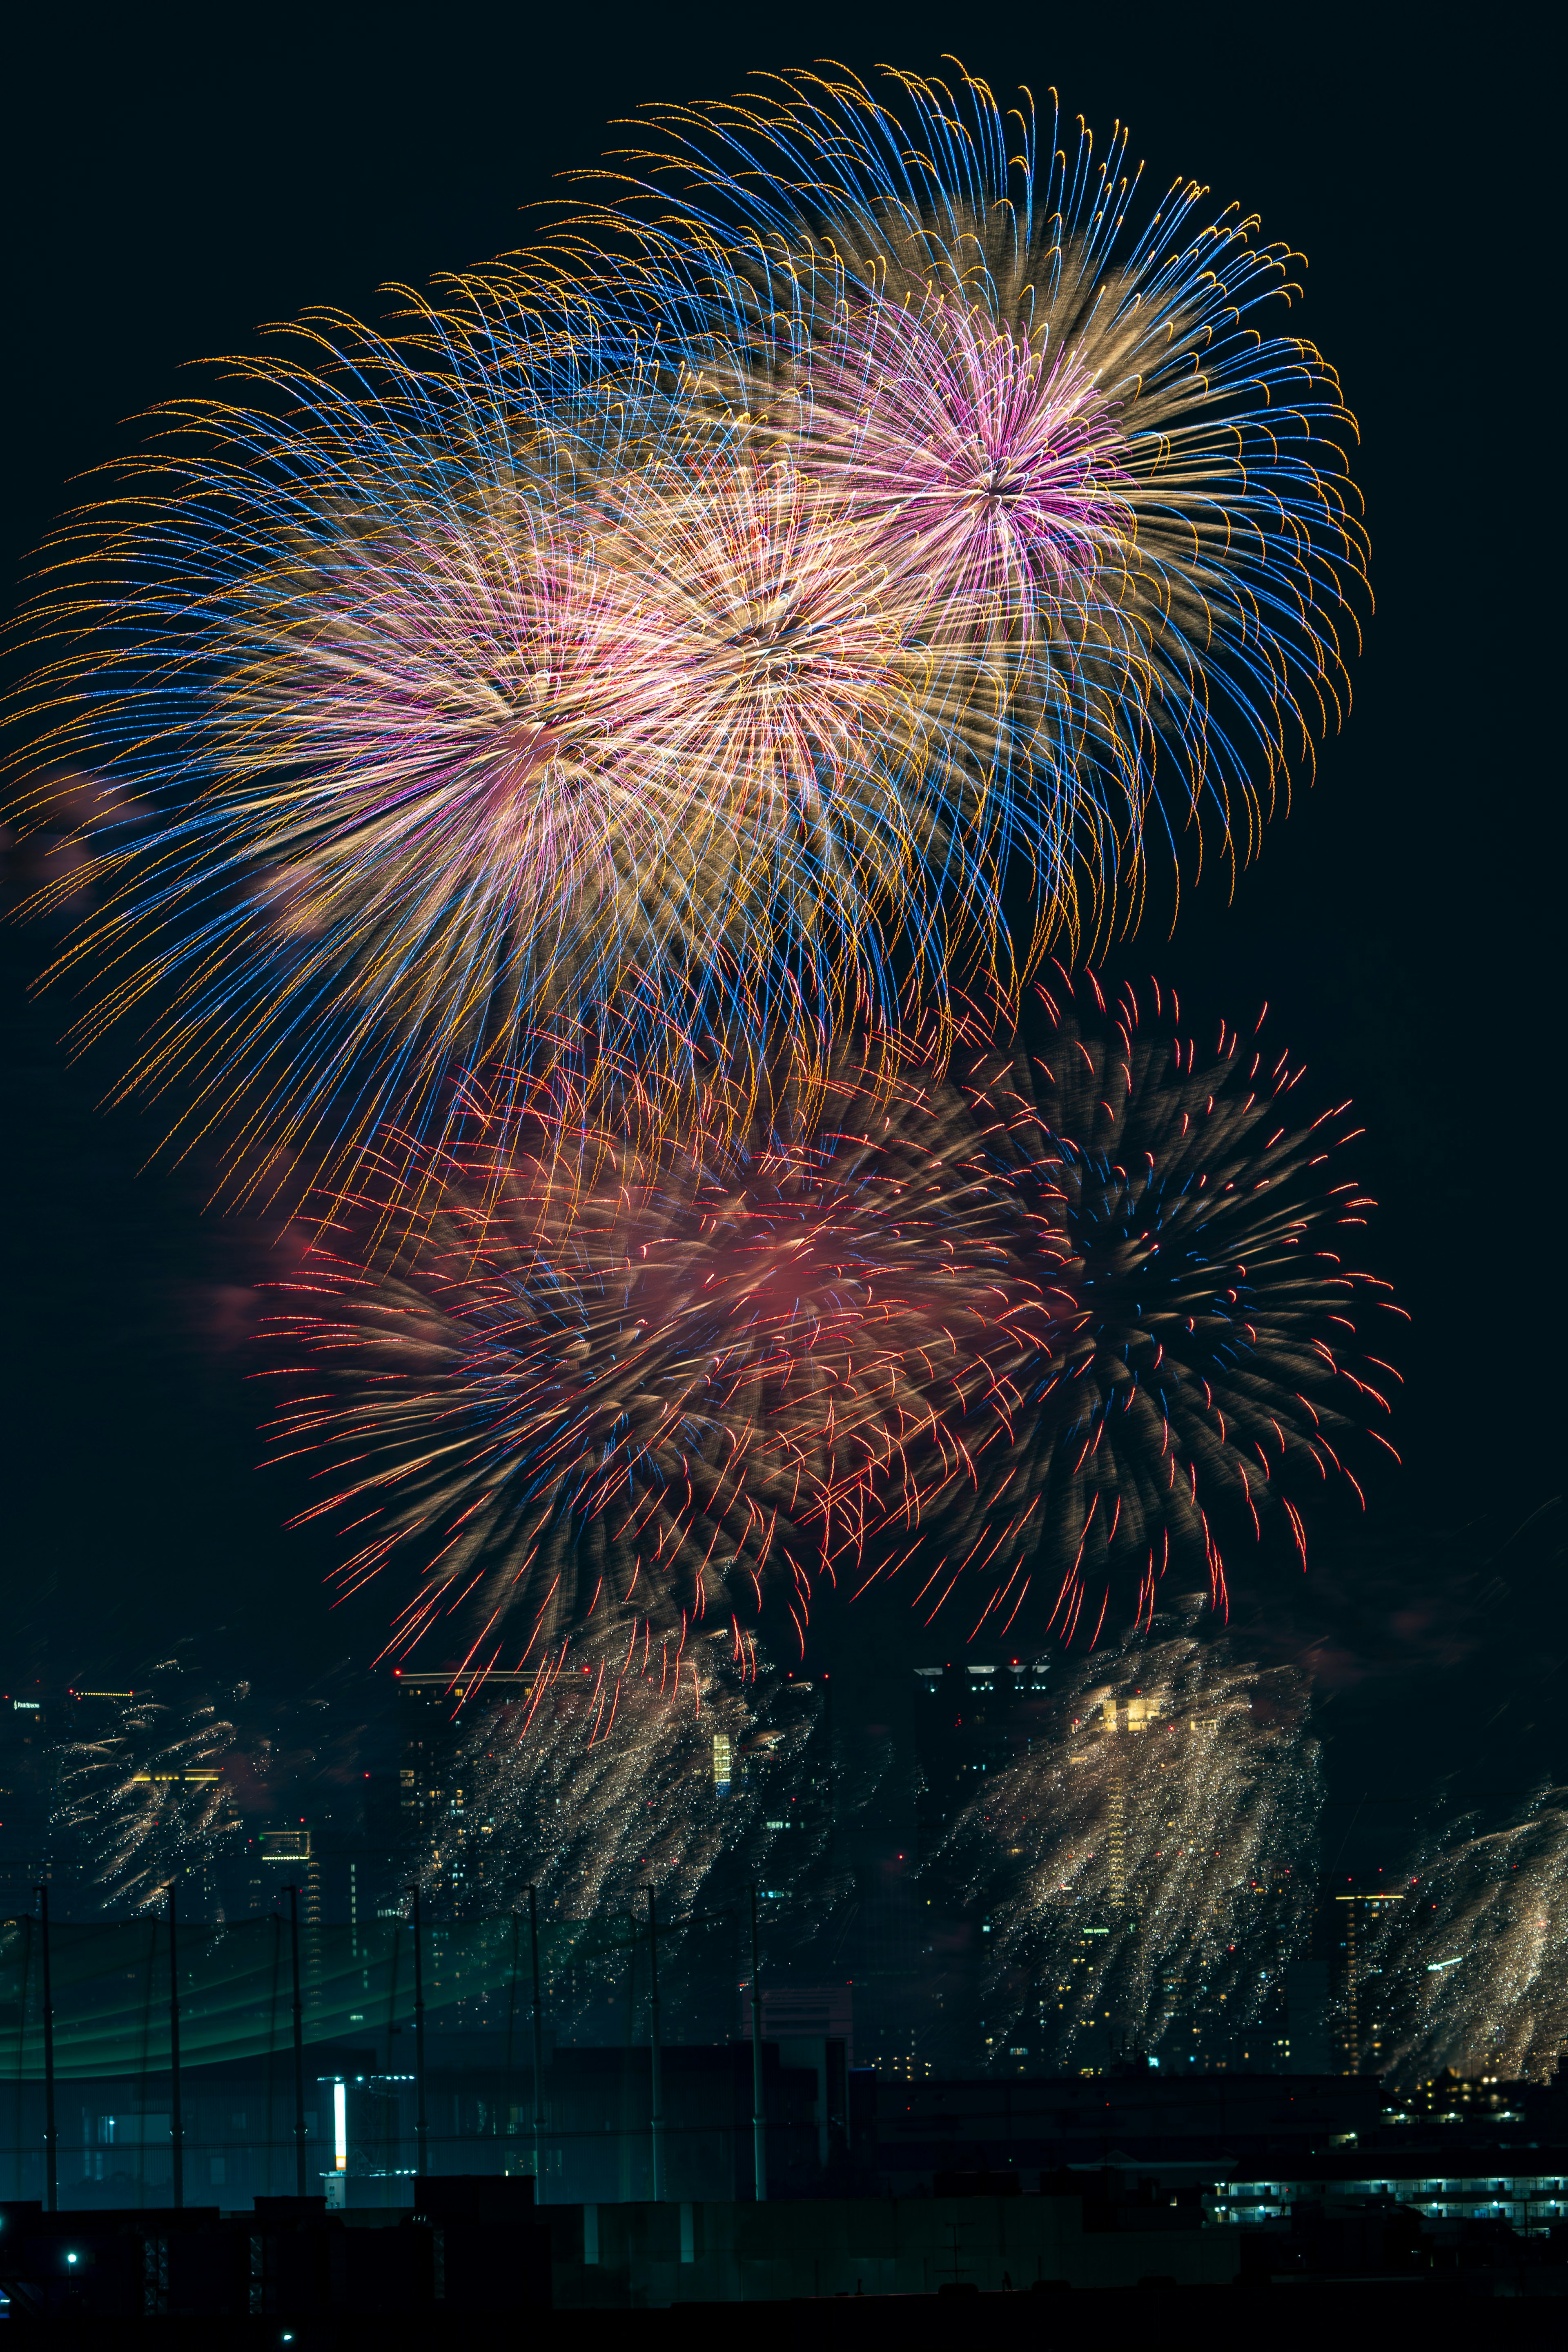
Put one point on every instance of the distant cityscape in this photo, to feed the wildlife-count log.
(874, 1943)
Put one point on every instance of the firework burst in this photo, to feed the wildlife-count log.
(1120, 502)
(1134, 1861)
(463, 680)
(1471, 1963)
(1054, 1330)
(647, 1376)
(1184, 1356)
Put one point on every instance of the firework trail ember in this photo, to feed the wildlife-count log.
(601, 1780)
(1155, 1840)
(1473, 1974)
(1182, 1356)
(146, 1804)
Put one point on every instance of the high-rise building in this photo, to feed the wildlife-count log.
(971, 1721)
(443, 1831)
(1302, 2042)
(29, 1723)
(1360, 2023)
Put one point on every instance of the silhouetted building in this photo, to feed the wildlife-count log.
(29, 1722)
(972, 1721)
(1303, 2044)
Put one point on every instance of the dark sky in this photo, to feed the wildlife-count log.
(176, 179)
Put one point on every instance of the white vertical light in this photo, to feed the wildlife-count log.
(341, 2125)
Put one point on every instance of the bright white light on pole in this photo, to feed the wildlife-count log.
(341, 2125)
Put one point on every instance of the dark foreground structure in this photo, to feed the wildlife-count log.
(917, 2197)
(475, 2250)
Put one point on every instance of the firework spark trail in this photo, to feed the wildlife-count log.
(1138, 1859)
(696, 638)
(1121, 493)
(604, 1779)
(1053, 1329)
(648, 1375)
(1473, 1969)
(1185, 1355)
(146, 1802)
(476, 682)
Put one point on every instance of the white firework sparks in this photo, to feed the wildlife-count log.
(1149, 1857)
(1474, 1960)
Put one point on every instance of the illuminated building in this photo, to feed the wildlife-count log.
(1361, 2026)
(437, 1713)
(723, 1761)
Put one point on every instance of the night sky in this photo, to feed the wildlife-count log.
(176, 181)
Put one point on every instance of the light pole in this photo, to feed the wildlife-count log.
(298, 2047)
(538, 2049)
(759, 2120)
(51, 2136)
(176, 2120)
(657, 2055)
(421, 2120)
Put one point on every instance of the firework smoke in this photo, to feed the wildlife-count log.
(146, 1804)
(1151, 1853)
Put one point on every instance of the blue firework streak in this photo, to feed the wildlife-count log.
(467, 682)
(691, 647)
(1190, 1361)
(1067, 417)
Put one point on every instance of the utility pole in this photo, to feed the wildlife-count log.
(657, 2055)
(758, 2118)
(421, 2120)
(176, 2120)
(51, 2136)
(538, 2049)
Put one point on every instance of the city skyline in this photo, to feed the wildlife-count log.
(1432, 1627)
